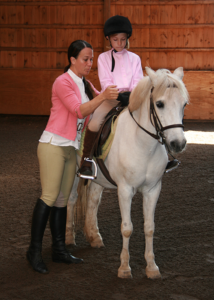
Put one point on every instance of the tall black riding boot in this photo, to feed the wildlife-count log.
(58, 226)
(39, 221)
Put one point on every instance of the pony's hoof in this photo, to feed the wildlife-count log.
(124, 273)
(97, 244)
(153, 274)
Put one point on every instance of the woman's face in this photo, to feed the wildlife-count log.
(81, 65)
(118, 41)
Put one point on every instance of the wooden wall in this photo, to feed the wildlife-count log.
(34, 38)
(35, 35)
(171, 33)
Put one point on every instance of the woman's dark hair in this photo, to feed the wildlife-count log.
(73, 51)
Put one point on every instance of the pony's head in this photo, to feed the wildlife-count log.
(167, 94)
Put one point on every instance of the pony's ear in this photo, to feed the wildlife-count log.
(179, 72)
(152, 75)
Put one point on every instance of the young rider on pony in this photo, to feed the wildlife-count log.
(116, 68)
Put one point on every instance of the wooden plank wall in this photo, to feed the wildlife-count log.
(34, 38)
(35, 35)
(169, 34)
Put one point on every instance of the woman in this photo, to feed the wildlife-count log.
(70, 112)
(117, 67)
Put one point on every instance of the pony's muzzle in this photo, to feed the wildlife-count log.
(177, 145)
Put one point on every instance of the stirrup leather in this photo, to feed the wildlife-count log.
(95, 170)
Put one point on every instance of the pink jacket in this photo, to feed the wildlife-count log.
(127, 72)
(65, 110)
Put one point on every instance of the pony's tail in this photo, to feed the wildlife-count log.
(81, 204)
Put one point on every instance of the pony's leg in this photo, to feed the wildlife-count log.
(70, 233)
(125, 195)
(150, 199)
(91, 227)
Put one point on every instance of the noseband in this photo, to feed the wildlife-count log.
(156, 123)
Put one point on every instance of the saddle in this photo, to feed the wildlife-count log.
(101, 138)
(105, 130)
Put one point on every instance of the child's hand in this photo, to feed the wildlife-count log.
(111, 92)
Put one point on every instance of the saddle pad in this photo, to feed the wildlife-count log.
(106, 147)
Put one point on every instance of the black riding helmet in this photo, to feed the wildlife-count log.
(117, 24)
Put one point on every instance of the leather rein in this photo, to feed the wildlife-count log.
(159, 136)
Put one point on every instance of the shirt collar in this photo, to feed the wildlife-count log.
(119, 52)
(76, 78)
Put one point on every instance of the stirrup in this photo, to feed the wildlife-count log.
(176, 164)
(89, 176)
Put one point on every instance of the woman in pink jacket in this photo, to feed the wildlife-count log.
(70, 113)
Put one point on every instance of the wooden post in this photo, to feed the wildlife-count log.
(107, 14)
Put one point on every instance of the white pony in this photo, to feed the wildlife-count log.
(137, 160)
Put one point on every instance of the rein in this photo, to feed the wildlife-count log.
(155, 136)
(156, 123)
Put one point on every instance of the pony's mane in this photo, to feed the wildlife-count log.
(164, 79)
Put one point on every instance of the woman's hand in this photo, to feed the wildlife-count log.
(111, 92)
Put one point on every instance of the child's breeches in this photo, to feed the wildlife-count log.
(100, 113)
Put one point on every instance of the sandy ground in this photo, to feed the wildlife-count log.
(183, 240)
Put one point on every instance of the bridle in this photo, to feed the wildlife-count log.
(159, 136)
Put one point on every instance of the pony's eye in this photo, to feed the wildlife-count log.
(159, 104)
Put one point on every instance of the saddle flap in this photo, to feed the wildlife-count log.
(105, 130)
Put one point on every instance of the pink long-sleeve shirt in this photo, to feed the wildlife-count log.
(65, 110)
(127, 71)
